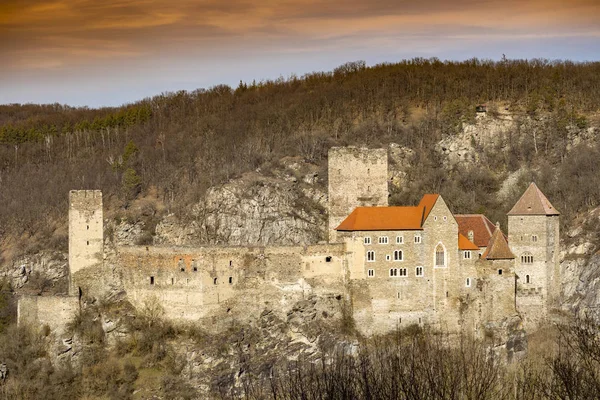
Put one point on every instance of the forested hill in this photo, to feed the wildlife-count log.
(180, 144)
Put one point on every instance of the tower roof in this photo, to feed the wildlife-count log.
(481, 227)
(533, 202)
(498, 248)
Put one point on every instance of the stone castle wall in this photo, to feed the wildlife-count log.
(190, 283)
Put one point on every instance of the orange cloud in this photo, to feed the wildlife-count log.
(68, 32)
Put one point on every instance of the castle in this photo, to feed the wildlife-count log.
(394, 266)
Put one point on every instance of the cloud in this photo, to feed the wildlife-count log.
(70, 37)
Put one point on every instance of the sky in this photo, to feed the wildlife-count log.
(110, 52)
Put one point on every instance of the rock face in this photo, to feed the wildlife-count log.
(580, 266)
(46, 271)
(288, 208)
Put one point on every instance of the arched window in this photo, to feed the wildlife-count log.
(527, 279)
(440, 256)
(526, 258)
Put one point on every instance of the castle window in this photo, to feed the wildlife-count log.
(88, 242)
(88, 227)
(534, 238)
(527, 280)
(468, 283)
(387, 257)
(403, 272)
(440, 256)
(399, 239)
(371, 272)
(383, 240)
(499, 272)
(214, 281)
(182, 269)
(370, 256)
(467, 254)
(367, 240)
(526, 258)
(328, 259)
(195, 269)
(393, 271)
(230, 263)
(435, 218)
(398, 256)
(172, 281)
(419, 271)
(230, 280)
(417, 238)
(152, 280)
(445, 218)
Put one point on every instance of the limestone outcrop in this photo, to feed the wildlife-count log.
(45, 271)
(256, 209)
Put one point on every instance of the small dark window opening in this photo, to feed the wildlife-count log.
(230, 280)
(215, 281)
(88, 242)
(328, 259)
(182, 269)
(147, 248)
(230, 263)
(195, 269)
(499, 272)
(446, 294)
(88, 227)
(152, 280)
(527, 278)
(172, 281)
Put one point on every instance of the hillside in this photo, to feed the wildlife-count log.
(248, 166)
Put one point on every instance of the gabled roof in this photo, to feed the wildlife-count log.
(389, 218)
(498, 248)
(466, 244)
(533, 202)
(478, 223)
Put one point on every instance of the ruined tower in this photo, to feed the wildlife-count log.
(533, 235)
(357, 177)
(86, 244)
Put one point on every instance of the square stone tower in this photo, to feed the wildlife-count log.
(86, 239)
(533, 235)
(357, 177)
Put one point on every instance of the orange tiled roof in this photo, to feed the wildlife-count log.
(478, 223)
(389, 218)
(466, 244)
(498, 248)
(533, 202)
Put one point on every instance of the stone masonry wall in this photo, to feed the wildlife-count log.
(357, 177)
(54, 311)
(191, 283)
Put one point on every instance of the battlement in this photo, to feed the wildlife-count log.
(85, 200)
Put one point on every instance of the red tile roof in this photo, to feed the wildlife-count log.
(533, 202)
(478, 223)
(498, 248)
(389, 218)
(465, 244)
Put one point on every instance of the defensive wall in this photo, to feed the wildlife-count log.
(192, 282)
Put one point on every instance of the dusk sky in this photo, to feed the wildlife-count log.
(110, 52)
